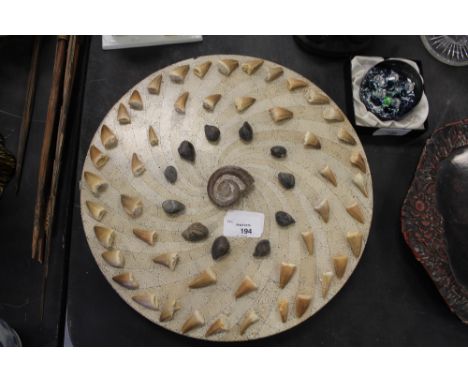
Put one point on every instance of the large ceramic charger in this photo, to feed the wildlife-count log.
(177, 283)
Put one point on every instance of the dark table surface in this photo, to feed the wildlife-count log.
(389, 300)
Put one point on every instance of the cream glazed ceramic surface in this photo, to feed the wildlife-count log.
(176, 283)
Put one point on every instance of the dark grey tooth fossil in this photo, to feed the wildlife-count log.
(246, 132)
(195, 232)
(220, 247)
(170, 173)
(287, 180)
(172, 207)
(284, 219)
(187, 151)
(278, 151)
(262, 248)
(212, 133)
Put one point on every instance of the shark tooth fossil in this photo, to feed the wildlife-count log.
(360, 182)
(250, 67)
(273, 73)
(332, 114)
(345, 136)
(96, 210)
(108, 138)
(210, 101)
(178, 74)
(154, 85)
(339, 263)
(138, 168)
(167, 259)
(308, 238)
(152, 137)
(302, 303)
(287, 271)
(194, 321)
(227, 66)
(246, 286)
(279, 114)
(201, 69)
(96, 184)
(97, 157)
(355, 242)
(122, 115)
(106, 236)
(316, 97)
(311, 140)
(283, 308)
(355, 211)
(126, 280)
(132, 206)
(180, 103)
(326, 280)
(295, 83)
(216, 327)
(168, 310)
(242, 103)
(148, 236)
(248, 320)
(135, 101)
(114, 258)
(204, 279)
(148, 300)
(323, 209)
(357, 160)
(329, 175)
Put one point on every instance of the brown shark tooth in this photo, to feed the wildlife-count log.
(155, 85)
(243, 103)
(345, 136)
(210, 102)
(273, 73)
(97, 157)
(249, 319)
(167, 259)
(204, 279)
(323, 209)
(227, 66)
(308, 238)
(194, 321)
(148, 236)
(355, 242)
(329, 175)
(138, 168)
(340, 262)
(250, 67)
(135, 101)
(279, 114)
(286, 273)
(106, 236)
(201, 69)
(246, 286)
(96, 184)
(332, 114)
(122, 115)
(132, 206)
(295, 83)
(148, 300)
(216, 327)
(311, 140)
(152, 137)
(283, 307)
(178, 74)
(326, 280)
(168, 310)
(108, 138)
(302, 303)
(96, 210)
(360, 182)
(355, 211)
(180, 103)
(357, 160)
(114, 258)
(126, 280)
(316, 97)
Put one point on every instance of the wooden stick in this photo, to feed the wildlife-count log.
(44, 168)
(27, 110)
